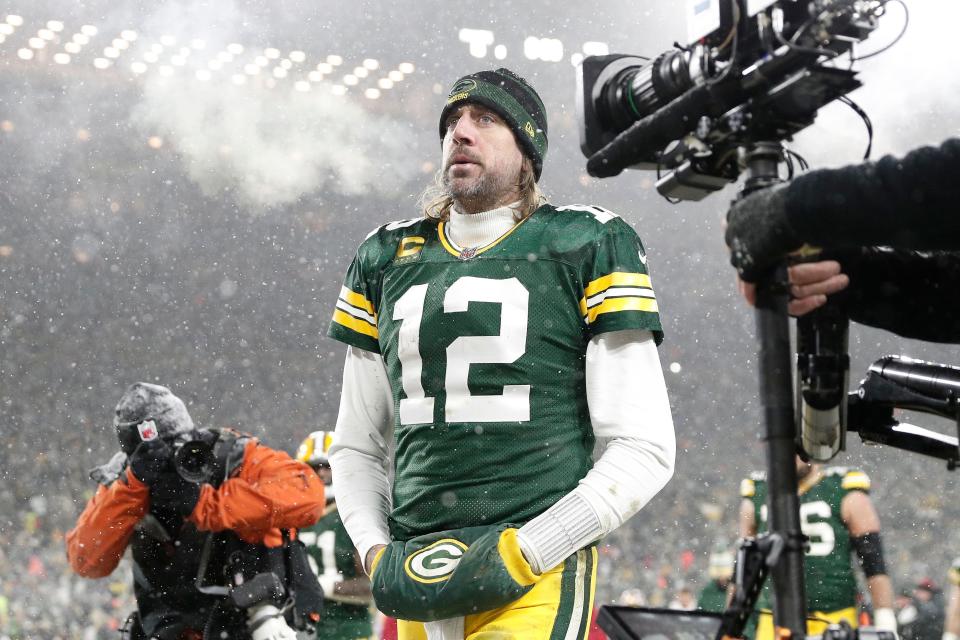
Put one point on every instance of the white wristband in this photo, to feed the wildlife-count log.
(885, 619)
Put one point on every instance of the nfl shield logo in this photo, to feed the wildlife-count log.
(148, 430)
(466, 254)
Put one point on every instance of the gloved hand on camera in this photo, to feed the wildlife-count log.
(152, 464)
(266, 622)
(758, 232)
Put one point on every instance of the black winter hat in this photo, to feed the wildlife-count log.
(143, 402)
(512, 98)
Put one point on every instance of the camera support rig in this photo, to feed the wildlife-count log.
(776, 400)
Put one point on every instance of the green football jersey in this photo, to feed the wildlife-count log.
(828, 568)
(331, 551)
(485, 352)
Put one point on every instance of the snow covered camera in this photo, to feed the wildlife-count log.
(756, 70)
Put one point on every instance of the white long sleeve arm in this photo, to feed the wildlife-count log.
(627, 399)
(359, 455)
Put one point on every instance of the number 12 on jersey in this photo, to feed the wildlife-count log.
(513, 405)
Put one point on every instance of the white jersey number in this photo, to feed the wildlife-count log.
(325, 542)
(513, 405)
(822, 538)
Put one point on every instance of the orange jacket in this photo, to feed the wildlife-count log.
(270, 491)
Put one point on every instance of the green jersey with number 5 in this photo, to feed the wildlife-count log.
(485, 352)
(331, 552)
(830, 580)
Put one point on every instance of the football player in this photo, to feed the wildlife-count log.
(490, 341)
(838, 517)
(346, 588)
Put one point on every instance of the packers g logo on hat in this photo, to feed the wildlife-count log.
(436, 562)
(461, 89)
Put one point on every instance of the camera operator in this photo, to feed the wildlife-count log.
(891, 235)
(234, 520)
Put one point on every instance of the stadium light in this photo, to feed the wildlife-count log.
(15, 20)
(335, 60)
(478, 40)
(338, 90)
(371, 64)
(101, 63)
(500, 52)
(315, 76)
(385, 83)
(286, 64)
(88, 30)
(61, 58)
(110, 52)
(37, 43)
(120, 43)
(81, 38)
(46, 34)
(271, 53)
(25, 54)
(238, 79)
(396, 76)
(350, 80)
(138, 68)
(325, 67)
(279, 72)
(298, 56)
(72, 47)
(55, 25)
(406, 67)
(360, 72)
(129, 35)
(235, 48)
(6, 29)
(372, 93)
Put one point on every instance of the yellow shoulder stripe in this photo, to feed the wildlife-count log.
(620, 304)
(617, 279)
(748, 488)
(358, 325)
(357, 300)
(855, 480)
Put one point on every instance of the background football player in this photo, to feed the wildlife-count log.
(491, 340)
(838, 517)
(346, 588)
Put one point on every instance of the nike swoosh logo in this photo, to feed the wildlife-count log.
(643, 258)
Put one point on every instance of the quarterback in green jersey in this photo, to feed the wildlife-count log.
(490, 342)
(838, 517)
(346, 588)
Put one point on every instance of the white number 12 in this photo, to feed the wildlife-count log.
(513, 405)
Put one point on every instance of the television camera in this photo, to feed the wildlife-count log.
(755, 73)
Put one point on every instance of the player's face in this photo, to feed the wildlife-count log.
(481, 159)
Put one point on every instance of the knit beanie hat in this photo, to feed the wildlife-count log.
(142, 403)
(513, 99)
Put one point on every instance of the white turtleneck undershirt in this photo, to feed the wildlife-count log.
(629, 412)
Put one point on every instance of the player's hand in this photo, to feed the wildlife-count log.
(758, 233)
(370, 561)
(810, 284)
(451, 573)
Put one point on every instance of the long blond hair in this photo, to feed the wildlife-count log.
(436, 201)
